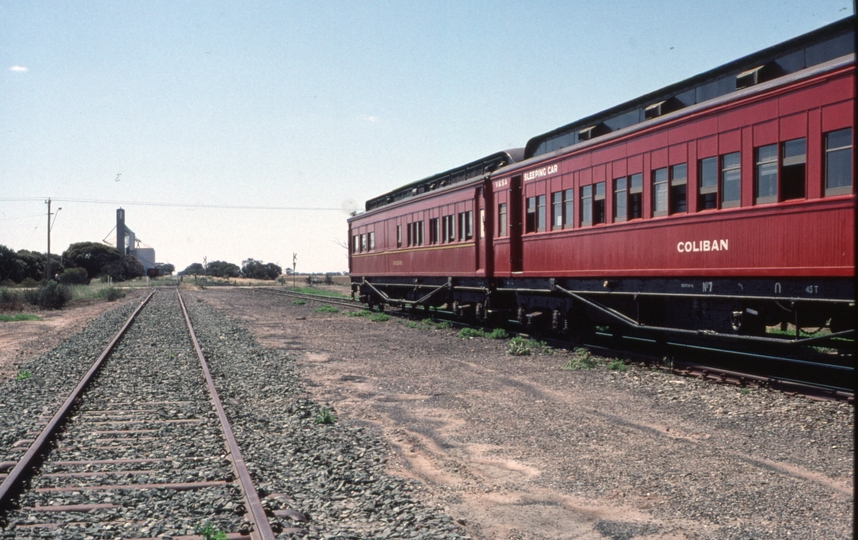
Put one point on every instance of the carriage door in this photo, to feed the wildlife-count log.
(515, 222)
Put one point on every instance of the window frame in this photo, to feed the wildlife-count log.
(660, 183)
(677, 190)
(846, 189)
(764, 157)
(621, 199)
(586, 205)
(731, 169)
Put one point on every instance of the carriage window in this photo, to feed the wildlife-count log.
(502, 219)
(636, 196)
(708, 188)
(399, 236)
(766, 175)
(530, 215)
(415, 233)
(599, 203)
(659, 192)
(448, 231)
(568, 200)
(371, 240)
(363, 242)
(731, 174)
(433, 230)
(540, 213)
(621, 199)
(793, 169)
(556, 210)
(678, 180)
(356, 244)
(838, 162)
(586, 205)
(466, 225)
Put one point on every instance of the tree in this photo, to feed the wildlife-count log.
(254, 269)
(11, 267)
(165, 269)
(194, 269)
(127, 268)
(91, 256)
(223, 269)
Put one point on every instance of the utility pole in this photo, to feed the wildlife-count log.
(48, 263)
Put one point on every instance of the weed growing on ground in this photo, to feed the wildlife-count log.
(745, 391)
(298, 302)
(327, 309)
(325, 416)
(208, 532)
(23, 375)
(466, 333)
(518, 346)
(318, 292)
(581, 359)
(617, 365)
(19, 317)
(428, 324)
(497, 333)
(374, 317)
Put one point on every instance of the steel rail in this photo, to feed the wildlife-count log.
(29, 460)
(262, 528)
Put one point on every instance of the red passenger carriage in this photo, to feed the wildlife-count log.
(720, 204)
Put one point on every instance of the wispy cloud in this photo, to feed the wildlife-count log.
(369, 118)
(19, 68)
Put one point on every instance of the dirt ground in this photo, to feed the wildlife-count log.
(515, 447)
(21, 341)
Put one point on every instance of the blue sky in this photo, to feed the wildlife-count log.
(285, 115)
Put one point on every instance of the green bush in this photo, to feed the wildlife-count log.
(51, 295)
(10, 300)
(29, 283)
(74, 276)
(111, 293)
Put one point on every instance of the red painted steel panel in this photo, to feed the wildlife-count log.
(793, 126)
(689, 131)
(766, 133)
(837, 116)
(790, 239)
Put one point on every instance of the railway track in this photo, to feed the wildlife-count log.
(139, 449)
(819, 374)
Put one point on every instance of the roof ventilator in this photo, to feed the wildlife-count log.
(761, 73)
(662, 107)
(587, 133)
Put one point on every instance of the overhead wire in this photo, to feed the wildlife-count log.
(171, 204)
